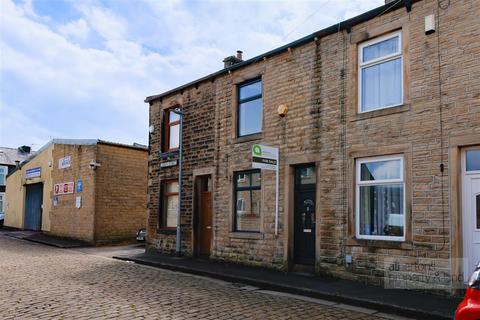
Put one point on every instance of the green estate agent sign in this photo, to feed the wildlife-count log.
(264, 157)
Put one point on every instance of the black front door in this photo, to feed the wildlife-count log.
(304, 215)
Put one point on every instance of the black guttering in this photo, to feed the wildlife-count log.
(344, 25)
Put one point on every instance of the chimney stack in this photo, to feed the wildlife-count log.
(231, 60)
(25, 149)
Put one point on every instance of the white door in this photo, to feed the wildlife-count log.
(471, 209)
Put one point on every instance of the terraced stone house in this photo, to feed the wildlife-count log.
(377, 123)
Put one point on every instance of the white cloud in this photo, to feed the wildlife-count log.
(77, 30)
(104, 21)
(14, 124)
(87, 77)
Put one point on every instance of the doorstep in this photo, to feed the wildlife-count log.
(394, 301)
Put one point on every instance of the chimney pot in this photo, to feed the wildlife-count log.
(231, 60)
(25, 149)
(239, 54)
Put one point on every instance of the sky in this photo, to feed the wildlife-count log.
(82, 68)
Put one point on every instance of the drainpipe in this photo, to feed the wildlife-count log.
(178, 241)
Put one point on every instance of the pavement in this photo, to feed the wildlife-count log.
(46, 282)
(395, 301)
(40, 237)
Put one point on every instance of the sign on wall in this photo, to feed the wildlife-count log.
(78, 202)
(64, 162)
(167, 164)
(79, 185)
(33, 173)
(264, 157)
(63, 188)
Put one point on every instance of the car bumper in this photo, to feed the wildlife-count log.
(469, 308)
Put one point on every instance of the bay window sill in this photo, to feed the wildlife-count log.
(246, 235)
(380, 244)
(381, 112)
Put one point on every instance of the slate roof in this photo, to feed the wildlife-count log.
(8, 156)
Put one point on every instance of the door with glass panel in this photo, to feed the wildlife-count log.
(471, 209)
(304, 215)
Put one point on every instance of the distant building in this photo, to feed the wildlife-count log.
(91, 190)
(9, 158)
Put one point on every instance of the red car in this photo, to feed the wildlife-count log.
(469, 308)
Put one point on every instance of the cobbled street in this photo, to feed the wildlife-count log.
(42, 282)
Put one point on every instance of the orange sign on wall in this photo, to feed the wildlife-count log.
(63, 188)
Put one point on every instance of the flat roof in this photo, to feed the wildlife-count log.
(343, 25)
(80, 142)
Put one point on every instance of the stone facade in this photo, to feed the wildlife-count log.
(199, 145)
(440, 116)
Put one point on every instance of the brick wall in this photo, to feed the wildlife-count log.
(65, 219)
(121, 192)
(113, 199)
(318, 81)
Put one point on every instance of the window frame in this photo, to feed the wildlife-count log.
(476, 148)
(249, 188)
(2, 206)
(251, 98)
(475, 196)
(162, 208)
(166, 130)
(4, 175)
(359, 183)
(377, 61)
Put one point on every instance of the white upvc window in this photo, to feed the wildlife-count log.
(380, 198)
(380, 74)
(3, 175)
